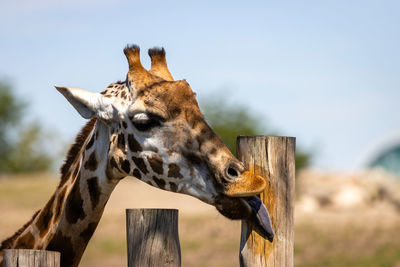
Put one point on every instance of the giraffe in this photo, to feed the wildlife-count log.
(149, 127)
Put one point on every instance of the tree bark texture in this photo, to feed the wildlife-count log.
(152, 236)
(274, 159)
(30, 258)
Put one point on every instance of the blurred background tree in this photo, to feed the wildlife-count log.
(229, 120)
(22, 146)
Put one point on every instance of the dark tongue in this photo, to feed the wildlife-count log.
(260, 218)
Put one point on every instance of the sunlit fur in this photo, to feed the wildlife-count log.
(178, 153)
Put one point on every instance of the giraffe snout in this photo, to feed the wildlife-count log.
(233, 172)
(242, 183)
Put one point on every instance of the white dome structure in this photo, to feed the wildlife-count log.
(386, 155)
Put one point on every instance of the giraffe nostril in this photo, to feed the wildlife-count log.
(232, 173)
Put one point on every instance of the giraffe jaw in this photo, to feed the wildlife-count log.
(251, 209)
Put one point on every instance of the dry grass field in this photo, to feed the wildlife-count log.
(325, 235)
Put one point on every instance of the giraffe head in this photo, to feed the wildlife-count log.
(158, 134)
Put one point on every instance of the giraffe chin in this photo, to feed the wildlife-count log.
(251, 209)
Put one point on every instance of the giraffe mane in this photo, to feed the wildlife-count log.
(71, 155)
(76, 148)
(7, 243)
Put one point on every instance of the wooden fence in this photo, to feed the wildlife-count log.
(30, 258)
(152, 237)
(152, 234)
(274, 159)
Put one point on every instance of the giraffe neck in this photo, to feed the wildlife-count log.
(88, 194)
(70, 217)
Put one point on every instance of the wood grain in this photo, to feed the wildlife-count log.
(152, 236)
(274, 159)
(30, 258)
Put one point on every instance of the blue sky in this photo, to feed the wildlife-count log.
(326, 72)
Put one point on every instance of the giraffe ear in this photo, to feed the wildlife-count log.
(89, 104)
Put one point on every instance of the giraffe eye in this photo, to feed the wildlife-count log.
(145, 122)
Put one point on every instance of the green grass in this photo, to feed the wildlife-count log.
(385, 256)
(111, 246)
(347, 245)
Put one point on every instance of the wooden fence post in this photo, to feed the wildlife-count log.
(274, 159)
(152, 236)
(30, 258)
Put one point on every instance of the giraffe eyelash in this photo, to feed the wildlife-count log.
(145, 122)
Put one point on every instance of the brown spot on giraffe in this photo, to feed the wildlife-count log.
(175, 112)
(125, 165)
(136, 173)
(121, 141)
(193, 159)
(45, 216)
(213, 151)
(94, 191)
(88, 232)
(160, 182)
(174, 171)
(90, 143)
(63, 244)
(114, 163)
(205, 134)
(74, 210)
(156, 164)
(25, 241)
(134, 146)
(173, 186)
(75, 149)
(91, 163)
(139, 162)
(60, 201)
(124, 124)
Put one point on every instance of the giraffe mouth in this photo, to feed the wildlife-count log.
(251, 209)
(248, 184)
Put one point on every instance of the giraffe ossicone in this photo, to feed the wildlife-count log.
(149, 127)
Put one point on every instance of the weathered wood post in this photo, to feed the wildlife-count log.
(274, 159)
(30, 258)
(152, 236)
